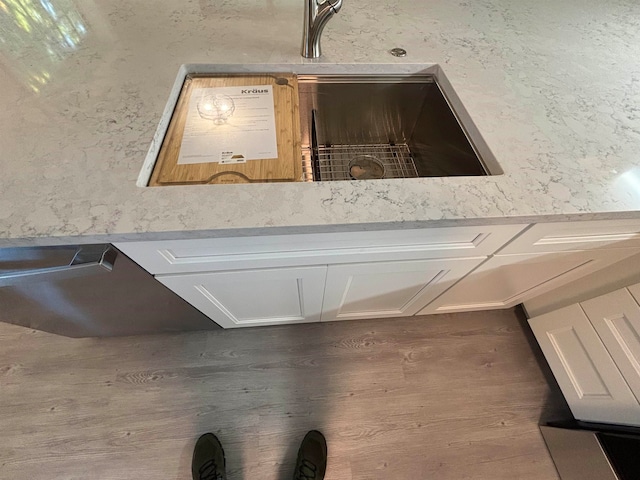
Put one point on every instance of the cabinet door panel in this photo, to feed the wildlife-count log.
(506, 280)
(588, 377)
(616, 318)
(253, 297)
(389, 289)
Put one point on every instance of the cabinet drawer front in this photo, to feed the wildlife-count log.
(253, 297)
(556, 237)
(589, 379)
(616, 318)
(198, 255)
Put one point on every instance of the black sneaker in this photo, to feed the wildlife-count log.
(208, 459)
(312, 457)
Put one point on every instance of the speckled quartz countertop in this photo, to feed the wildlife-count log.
(553, 87)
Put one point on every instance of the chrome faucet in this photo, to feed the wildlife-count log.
(316, 16)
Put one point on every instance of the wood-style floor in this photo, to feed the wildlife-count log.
(440, 397)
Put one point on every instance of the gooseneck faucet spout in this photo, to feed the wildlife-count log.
(316, 16)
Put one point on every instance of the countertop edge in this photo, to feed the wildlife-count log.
(48, 240)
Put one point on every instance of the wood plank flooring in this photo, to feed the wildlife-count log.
(443, 397)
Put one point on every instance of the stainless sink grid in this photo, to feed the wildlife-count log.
(332, 162)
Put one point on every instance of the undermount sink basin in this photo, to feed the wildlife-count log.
(391, 126)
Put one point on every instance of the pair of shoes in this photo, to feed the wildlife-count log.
(209, 464)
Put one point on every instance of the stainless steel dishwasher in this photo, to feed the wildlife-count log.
(88, 291)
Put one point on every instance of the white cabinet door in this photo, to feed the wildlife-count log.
(589, 379)
(248, 298)
(506, 280)
(389, 289)
(616, 318)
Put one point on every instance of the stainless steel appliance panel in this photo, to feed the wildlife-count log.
(89, 291)
(577, 454)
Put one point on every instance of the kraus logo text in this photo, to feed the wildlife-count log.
(254, 90)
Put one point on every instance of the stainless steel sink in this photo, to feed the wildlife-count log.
(391, 126)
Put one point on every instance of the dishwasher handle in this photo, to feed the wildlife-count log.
(80, 266)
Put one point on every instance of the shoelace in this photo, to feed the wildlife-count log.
(306, 471)
(209, 471)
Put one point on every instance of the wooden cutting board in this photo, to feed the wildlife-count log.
(286, 168)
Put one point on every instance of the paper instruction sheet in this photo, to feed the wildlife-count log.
(229, 125)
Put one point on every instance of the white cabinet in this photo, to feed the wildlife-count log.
(593, 349)
(276, 279)
(616, 318)
(589, 379)
(507, 280)
(254, 297)
(389, 289)
(382, 273)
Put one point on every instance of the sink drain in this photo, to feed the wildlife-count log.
(365, 167)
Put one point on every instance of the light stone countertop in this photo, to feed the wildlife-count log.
(553, 87)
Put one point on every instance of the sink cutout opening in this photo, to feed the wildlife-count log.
(347, 127)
